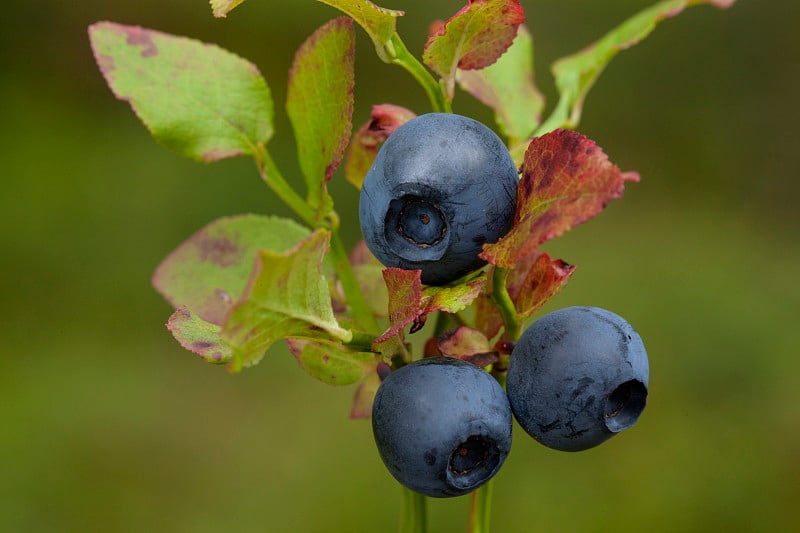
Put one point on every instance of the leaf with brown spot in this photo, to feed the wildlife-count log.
(473, 38)
(320, 105)
(209, 271)
(566, 180)
(199, 336)
(370, 136)
(197, 99)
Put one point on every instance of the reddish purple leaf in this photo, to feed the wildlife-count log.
(469, 345)
(409, 303)
(370, 136)
(535, 279)
(566, 180)
(405, 294)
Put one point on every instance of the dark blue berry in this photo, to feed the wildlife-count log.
(577, 377)
(442, 426)
(441, 186)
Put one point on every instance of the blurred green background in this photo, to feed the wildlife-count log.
(106, 424)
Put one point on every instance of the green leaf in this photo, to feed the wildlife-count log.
(369, 274)
(332, 362)
(508, 88)
(378, 22)
(473, 38)
(197, 99)
(287, 296)
(566, 180)
(320, 105)
(370, 136)
(209, 271)
(199, 336)
(221, 8)
(575, 74)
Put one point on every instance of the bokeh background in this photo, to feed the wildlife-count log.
(106, 424)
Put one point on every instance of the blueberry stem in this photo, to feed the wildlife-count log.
(415, 513)
(271, 174)
(502, 300)
(433, 89)
(481, 509)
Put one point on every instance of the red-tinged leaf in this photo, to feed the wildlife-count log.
(410, 304)
(287, 296)
(332, 362)
(378, 22)
(405, 294)
(364, 397)
(369, 274)
(221, 8)
(473, 38)
(508, 88)
(469, 345)
(197, 99)
(320, 104)
(535, 279)
(199, 336)
(487, 318)
(209, 271)
(370, 136)
(566, 180)
(576, 74)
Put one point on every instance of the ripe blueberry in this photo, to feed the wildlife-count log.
(441, 186)
(442, 426)
(577, 377)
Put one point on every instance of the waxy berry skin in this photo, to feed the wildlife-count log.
(441, 186)
(442, 426)
(577, 377)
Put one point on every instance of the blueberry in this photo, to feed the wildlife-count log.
(577, 377)
(441, 186)
(442, 426)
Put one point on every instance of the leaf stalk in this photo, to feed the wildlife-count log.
(480, 509)
(415, 512)
(433, 89)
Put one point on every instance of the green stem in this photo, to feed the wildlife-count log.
(505, 306)
(271, 174)
(274, 179)
(355, 297)
(402, 57)
(481, 509)
(415, 513)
